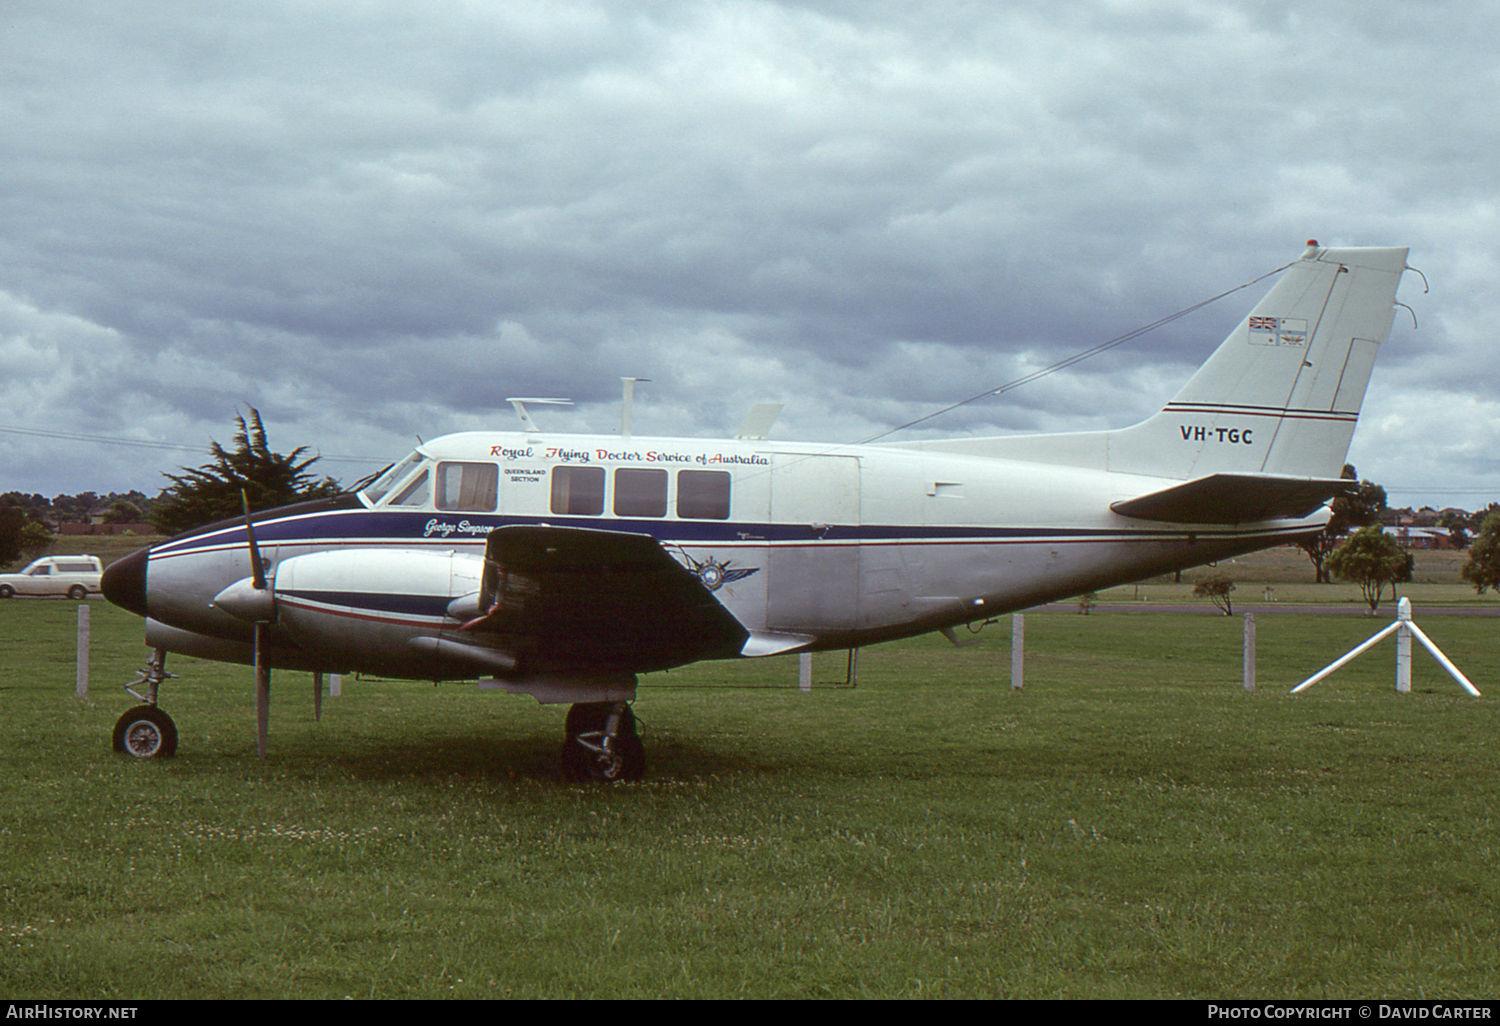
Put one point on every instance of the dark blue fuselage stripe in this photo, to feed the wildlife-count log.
(387, 528)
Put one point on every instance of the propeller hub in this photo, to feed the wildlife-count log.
(244, 601)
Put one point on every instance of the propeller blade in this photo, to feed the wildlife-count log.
(257, 565)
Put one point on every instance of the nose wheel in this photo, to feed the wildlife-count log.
(146, 732)
(601, 743)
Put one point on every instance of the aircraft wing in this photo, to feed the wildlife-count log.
(578, 599)
(1235, 499)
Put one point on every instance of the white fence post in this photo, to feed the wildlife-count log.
(1017, 649)
(83, 650)
(1249, 651)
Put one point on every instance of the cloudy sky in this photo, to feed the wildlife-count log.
(376, 219)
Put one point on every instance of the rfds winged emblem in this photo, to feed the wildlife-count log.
(716, 573)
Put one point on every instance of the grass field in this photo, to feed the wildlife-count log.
(1132, 824)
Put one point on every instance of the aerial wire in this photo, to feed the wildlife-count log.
(1076, 357)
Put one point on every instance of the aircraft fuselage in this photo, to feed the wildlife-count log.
(807, 547)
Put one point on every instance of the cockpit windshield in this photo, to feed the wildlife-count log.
(377, 489)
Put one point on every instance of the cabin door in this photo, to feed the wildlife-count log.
(813, 572)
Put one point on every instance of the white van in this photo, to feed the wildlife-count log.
(73, 576)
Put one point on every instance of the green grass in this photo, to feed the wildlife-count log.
(1132, 824)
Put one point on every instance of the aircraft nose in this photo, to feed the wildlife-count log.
(124, 582)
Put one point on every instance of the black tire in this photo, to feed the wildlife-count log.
(78, 593)
(6, 591)
(146, 732)
(629, 762)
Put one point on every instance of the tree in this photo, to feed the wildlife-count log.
(12, 522)
(1216, 586)
(123, 511)
(1371, 558)
(1483, 568)
(1457, 525)
(1361, 508)
(212, 492)
(21, 533)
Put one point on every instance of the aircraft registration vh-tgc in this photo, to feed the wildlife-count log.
(564, 566)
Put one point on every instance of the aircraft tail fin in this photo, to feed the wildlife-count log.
(1282, 393)
(1280, 396)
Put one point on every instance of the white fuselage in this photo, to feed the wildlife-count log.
(808, 547)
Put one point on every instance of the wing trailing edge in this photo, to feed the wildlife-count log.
(1235, 499)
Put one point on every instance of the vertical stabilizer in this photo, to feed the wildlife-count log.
(1282, 393)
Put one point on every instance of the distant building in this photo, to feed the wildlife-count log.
(1421, 537)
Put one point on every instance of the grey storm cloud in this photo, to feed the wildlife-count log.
(377, 220)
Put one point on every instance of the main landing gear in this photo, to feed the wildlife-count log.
(146, 732)
(602, 743)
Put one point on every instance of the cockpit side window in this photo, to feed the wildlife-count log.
(413, 494)
(377, 489)
(471, 487)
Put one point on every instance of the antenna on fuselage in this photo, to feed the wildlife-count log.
(758, 422)
(526, 422)
(627, 400)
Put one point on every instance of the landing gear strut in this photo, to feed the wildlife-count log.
(602, 744)
(146, 732)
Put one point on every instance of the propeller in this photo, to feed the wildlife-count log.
(251, 599)
(262, 663)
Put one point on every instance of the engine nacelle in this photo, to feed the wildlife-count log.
(378, 610)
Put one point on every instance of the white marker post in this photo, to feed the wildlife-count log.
(804, 675)
(1404, 629)
(1017, 649)
(1249, 651)
(83, 650)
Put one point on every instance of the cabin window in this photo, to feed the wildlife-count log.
(415, 493)
(640, 493)
(703, 494)
(471, 487)
(578, 490)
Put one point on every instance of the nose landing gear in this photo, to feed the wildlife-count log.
(145, 732)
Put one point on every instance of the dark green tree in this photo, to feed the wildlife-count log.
(1361, 508)
(12, 522)
(1483, 568)
(21, 533)
(1371, 558)
(123, 511)
(212, 492)
(1457, 525)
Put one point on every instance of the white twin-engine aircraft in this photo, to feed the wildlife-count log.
(564, 566)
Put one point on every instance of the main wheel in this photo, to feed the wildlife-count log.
(627, 760)
(146, 733)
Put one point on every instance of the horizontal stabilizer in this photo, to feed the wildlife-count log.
(1235, 499)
